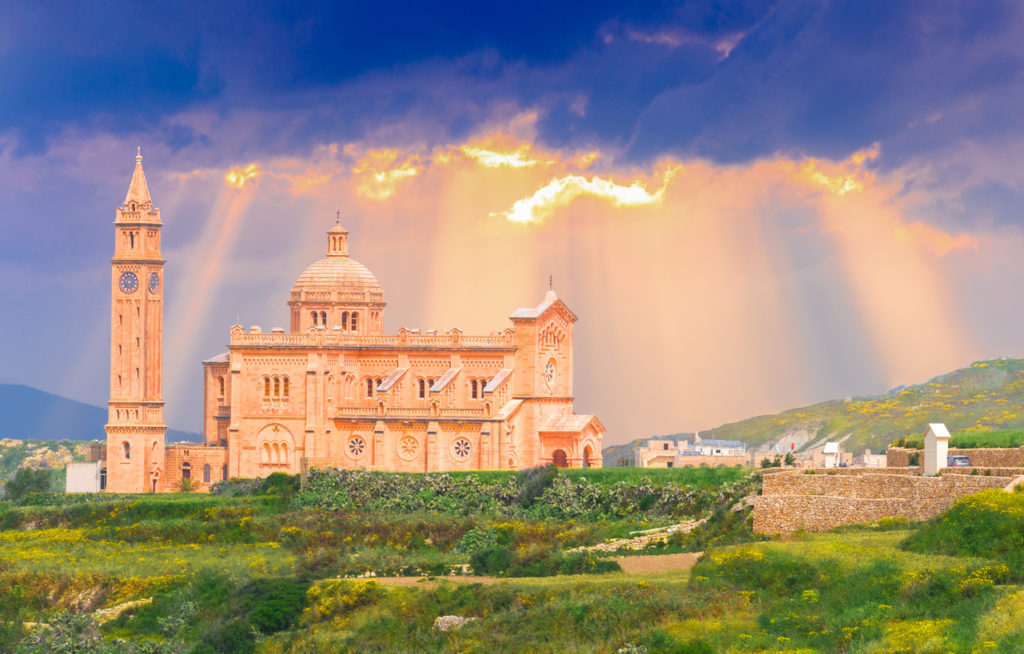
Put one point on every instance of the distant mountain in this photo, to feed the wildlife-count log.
(982, 395)
(29, 413)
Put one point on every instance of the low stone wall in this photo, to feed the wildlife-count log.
(821, 501)
(987, 472)
(984, 457)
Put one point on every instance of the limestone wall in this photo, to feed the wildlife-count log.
(821, 501)
(986, 457)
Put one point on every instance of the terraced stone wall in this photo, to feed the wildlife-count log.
(821, 501)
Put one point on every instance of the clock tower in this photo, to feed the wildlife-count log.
(135, 425)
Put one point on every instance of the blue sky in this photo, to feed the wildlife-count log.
(932, 89)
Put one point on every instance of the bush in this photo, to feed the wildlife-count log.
(27, 480)
(988, 524)
(274, 604)
(978, 438)
(533, 482)
(492, 561)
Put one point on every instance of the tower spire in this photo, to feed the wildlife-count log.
(138, 190)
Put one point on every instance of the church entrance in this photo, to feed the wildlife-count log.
(559, 458)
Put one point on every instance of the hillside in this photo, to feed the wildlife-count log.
(29, 413)
(986, 394)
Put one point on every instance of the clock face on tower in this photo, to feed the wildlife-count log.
(154, 282)
(129, 282)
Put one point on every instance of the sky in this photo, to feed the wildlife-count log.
(751, 206)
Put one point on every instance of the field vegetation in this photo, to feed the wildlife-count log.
(266, 566)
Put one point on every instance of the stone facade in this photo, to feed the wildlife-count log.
(794, 500)
(335, 390)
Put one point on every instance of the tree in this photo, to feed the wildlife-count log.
(766, 463)
(777, 461)
(790, 459)
(25, 481)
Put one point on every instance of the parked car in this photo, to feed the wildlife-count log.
(958, 461)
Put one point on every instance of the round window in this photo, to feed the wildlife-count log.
(408, 447)
(461, 449)
(356, 447)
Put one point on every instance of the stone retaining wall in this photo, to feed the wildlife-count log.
(821, 501)
(985, 457)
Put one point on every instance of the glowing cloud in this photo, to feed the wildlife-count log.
(518, 158)
(563, 190)
(381, 170)
(239, 175)
(934, 239)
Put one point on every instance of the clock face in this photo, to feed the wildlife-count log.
(154, 282)
(550, 373)
(129, 282)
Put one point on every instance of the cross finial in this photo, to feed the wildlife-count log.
(337, 221)
(551, 282)
(138, 153)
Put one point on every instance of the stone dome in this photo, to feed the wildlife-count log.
(337, 272)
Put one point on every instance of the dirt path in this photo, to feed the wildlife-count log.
(644, 564)
(657, 562)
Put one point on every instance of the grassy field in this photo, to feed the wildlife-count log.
(255, 573)
(703, 477)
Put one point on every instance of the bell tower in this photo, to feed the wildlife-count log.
(135, 424)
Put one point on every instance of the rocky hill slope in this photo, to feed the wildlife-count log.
(985, 394)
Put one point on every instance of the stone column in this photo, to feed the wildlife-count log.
(936, 446)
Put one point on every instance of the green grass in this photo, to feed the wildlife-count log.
(974, 438)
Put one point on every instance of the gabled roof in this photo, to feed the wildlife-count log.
(550, 300)
(568, 423)
(831, 448)
(497, 380)
(509, 409)
(393, 377)
(444, 380)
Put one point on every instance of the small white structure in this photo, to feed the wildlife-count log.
(936, 447)
(831, 455)
(83, 477)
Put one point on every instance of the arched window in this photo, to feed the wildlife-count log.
(284, 452)
(206, 473)
(376, 383)
(265, 453)
(284, 391)
(314, 318)
(127, 450)
(221, 381)
(224, 472)
(472, 385)
(423, 388)
(186, 470)
(344, 320)
(323, 318)
(131, 235)
(355, 318)
(277, 387)
(369, 387)
(266, 387)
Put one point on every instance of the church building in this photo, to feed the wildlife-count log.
(334, 390)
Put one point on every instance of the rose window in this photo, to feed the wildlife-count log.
(461, 449)
(356, 447)
(407, 447)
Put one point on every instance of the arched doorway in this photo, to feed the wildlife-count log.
(559, 458)
(588, 454)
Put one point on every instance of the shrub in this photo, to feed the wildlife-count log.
(28, 480)
(988, 524)
(274, 604)
(493, 560)
(533, 482)
(977, 438)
